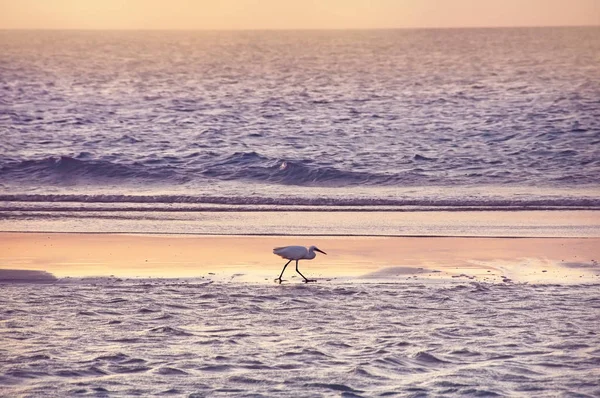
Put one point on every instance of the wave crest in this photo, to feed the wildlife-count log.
(252, 166)
(66, 169)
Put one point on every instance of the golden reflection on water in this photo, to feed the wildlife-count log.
(79, 255)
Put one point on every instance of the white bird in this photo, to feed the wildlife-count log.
(296, 253)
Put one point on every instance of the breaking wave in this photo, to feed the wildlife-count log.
(240, 166)
(74, 170)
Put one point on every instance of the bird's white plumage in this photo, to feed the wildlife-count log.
(296, 253)
(293, 252)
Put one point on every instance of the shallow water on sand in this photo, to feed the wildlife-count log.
(198, 338)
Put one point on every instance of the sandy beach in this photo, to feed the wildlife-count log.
(250, 258)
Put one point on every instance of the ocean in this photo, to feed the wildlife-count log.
(199, 339)
(450, 119)
(451, 175)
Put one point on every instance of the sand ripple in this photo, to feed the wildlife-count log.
(165, 338)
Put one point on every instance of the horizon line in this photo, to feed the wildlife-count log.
(298, 29)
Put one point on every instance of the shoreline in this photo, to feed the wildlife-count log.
(495, 224)
(245, 258)
(272, 235)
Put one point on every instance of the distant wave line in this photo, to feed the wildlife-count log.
(306, 202)
(34, 209)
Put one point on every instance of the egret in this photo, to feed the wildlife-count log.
(296, 253)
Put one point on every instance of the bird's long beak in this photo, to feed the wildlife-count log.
(320, 251)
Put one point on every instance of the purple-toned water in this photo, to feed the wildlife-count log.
(196, 339)
(391, 117)
(305, 133)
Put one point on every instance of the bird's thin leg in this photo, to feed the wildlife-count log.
(298, 271)
(284, 267)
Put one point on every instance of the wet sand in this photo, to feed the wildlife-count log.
(250, 259)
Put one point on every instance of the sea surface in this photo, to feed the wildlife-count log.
(459, 132)
(199, 338)
(408, 119)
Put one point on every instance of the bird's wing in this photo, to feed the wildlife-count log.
(291, 252)
(279, 251)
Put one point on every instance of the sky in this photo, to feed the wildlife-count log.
(293, 14)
